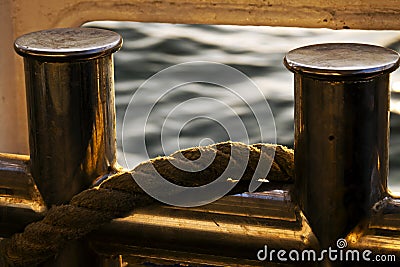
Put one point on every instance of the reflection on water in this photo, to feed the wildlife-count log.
(256, 51)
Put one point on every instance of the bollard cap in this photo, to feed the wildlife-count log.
(68, 43)
(342, 59)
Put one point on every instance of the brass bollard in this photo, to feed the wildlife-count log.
(69, 77)
(71, 112)
(341, 133)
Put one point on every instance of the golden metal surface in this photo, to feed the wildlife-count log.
(71, 114)
(20, 200)
(71, 111)
(341, 133)
(233, 227)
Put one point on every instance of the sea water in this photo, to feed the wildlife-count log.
(255, 51)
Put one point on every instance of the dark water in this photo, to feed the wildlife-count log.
(255, 51)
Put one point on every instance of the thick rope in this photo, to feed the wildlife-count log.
(119, 195)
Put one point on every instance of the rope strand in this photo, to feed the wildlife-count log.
(119, 195)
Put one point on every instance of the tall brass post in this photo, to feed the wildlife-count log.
(341, 133)
(71, 112)
(71, 115)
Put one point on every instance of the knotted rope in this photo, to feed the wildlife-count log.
(119, 195)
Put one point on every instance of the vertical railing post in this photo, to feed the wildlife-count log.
(71, 113)
(341, 133)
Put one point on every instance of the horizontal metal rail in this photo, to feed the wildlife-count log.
(227, 232)
(20, 200)
(232, 229)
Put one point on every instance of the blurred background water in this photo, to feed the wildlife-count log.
(256, 51)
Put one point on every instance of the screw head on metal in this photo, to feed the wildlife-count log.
(68, 43)
(342, 59)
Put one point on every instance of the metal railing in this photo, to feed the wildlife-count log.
(341, 161)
